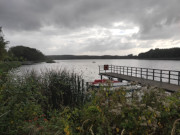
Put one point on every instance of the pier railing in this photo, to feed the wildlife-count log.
(168, 76)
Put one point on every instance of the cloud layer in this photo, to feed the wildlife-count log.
(91, 26)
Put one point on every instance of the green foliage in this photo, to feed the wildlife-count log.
(26, 53)
(112, 112)
(3, 44)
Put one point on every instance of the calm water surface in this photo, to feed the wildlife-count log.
(89, 68)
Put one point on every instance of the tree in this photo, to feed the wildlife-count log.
(3, 45)
(27, 53)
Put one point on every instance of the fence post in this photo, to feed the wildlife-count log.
(120, 69)
(169, 76)
(141, 72)
(111, 68)
(136, 72)
(131, 71)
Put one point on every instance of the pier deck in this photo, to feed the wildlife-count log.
(165, 79)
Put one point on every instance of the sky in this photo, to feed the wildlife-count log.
(91, 27)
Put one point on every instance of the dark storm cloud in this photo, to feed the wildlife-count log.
(34, 14)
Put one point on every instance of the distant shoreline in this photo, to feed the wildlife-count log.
(78, 57)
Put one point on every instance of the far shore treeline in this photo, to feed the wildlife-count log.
(159, 54)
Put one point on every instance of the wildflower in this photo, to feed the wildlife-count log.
(158, 113)
(30, 120)
(42, 115)
(99, 109)
(36, 118)
(150, 109)
(66, 130)
(45, 119)
(117, 130)
(143, 118)
(39, 128)
(159, 124)
(143, 124)
(78, 128)
(142, 105)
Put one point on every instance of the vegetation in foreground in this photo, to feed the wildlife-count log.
(56, 103)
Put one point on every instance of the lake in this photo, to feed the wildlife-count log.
(89, 68)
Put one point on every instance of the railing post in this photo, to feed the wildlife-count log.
(111, 68)
(141, 72)
(120, 69)
(99, 69)
(178, 78)
(123, 70)
(160, 75)
(153, 74)
(136, 72)
(169, 76)
(147, 73)
(127, 70)
(131, 71)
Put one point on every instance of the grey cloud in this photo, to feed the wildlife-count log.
(156, 19)
(106, 44)
(82, 13)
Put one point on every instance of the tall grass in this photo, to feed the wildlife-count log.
(24, 97)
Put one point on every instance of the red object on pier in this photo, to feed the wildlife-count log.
(103, 81)
(106, 67)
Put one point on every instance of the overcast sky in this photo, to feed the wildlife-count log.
(92, 27)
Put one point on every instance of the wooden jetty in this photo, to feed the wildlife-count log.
(165, 79)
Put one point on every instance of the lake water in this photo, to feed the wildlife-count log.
(89, 69)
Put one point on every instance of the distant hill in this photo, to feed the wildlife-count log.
(27, 53)
(172, 53)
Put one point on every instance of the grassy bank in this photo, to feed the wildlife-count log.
(56, 103)
(6, 66)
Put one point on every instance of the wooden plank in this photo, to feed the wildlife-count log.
(163, 85)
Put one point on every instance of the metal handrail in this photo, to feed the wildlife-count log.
(172, 76)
